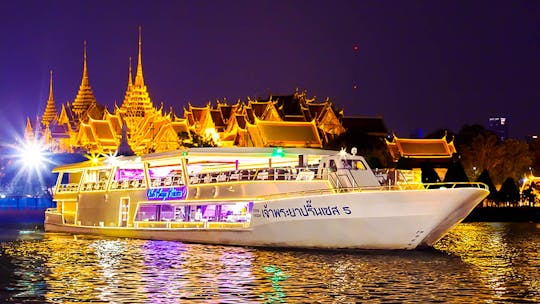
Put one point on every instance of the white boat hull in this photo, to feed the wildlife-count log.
(350, 220)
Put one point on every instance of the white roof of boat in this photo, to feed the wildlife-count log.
(201, 152)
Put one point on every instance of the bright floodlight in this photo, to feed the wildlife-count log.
(32, 155)
(31, 162)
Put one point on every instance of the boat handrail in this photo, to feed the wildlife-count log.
(255, 174)
(416, 186)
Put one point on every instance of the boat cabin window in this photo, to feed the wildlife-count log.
(128, 178)
(69, 181)
(95, 179)
(358, 164)
(349, 164)
(160, 212)
(71, 177)
(346, 164)
(333, 166)
(236, 212)
(96, 175)
(165, 176)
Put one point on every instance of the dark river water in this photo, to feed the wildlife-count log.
(476, 262)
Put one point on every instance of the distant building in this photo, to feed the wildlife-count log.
(414, 156)
(499, 126)
(532, 138)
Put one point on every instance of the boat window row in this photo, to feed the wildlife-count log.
(235, 215)
(134, 178)
(253, 174)
(121, 179)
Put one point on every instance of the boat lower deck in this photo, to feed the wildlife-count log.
(192, 225)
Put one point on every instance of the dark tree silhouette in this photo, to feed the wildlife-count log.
(428, 174)
(486, 179)
(534, 148)
(467, 133)
(509, 192)
(456, 173)
(440, 133)
(371, 147)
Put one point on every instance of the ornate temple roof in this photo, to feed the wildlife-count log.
(315, 109)
(98, 135)
(85, 96)
(64, 117)
(28, 131)
(420, 148)
(227, 110)
(219, 121)
(284, 134)
(50, 113)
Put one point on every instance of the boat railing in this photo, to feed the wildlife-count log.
(51, 210)
(262, 174)
(71, 187)
(404, 187)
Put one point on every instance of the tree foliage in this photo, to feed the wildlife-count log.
(486, 179)
(456, 173)
(509, 192)
(371, 147)
(534, 149)
(429, 175)
(503, 159)
(195, 141)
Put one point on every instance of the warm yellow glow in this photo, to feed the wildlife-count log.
(211, 133)
(93, 157)
(111, 158)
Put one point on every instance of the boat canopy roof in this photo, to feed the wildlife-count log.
(198, 154)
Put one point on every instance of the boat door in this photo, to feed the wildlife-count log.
(124, 211)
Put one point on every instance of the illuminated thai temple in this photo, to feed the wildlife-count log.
(84, 126)
(413, 154)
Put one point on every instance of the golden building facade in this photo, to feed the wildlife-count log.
(85, 126)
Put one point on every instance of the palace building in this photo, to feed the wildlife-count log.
(85, 126)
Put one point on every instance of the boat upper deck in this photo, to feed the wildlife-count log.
(197, 167)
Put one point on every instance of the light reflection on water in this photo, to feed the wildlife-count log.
(475, 262)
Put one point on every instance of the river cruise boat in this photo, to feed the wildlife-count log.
(269, 197)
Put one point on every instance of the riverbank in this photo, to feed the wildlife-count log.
(504, 214)
(22, 217)
(22, 210)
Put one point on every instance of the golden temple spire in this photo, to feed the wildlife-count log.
(84, 81)
(85, 97)
(130, 81)
(137, 105)
(50, 110)
(28, 131)
(51, 97)
(139, 79)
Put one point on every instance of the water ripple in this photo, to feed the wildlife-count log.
(476, 262)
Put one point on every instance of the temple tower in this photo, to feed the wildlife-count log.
(137, 103)
(50, 113)
(85, 97)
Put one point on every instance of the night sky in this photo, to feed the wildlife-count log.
(419, 64)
